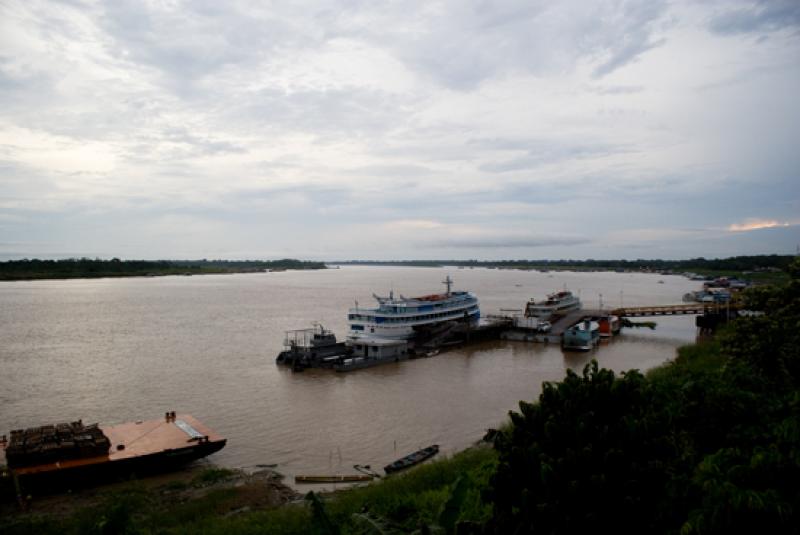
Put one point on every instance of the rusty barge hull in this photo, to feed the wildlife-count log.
(140, 447)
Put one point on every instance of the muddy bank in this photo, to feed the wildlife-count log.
(234, 491)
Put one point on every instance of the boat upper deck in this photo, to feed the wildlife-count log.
(136, 439)
(411, 305)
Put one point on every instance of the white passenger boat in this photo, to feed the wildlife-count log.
(556, 303)
(397, 318)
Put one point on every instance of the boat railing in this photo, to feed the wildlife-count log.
(305, 337)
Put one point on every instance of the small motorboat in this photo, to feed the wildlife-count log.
(412, 459)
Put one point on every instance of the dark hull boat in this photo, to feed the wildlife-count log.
(411, 459)
(74, 453)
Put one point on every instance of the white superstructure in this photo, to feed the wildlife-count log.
(396, 318)
(556, 303)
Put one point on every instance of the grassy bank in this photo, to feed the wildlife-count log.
(215, 501)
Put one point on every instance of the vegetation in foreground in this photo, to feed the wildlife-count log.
(74, 268)
(707, 444)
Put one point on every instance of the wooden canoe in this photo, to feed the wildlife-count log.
(354, 478)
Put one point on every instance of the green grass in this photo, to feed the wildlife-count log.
(693, 361)
(405, 501)
(411, 499)
(211, 476)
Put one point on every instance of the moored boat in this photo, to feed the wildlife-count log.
(78, 452)
(556, 303)
(398, 318)
(412, 459)
(309, 347)
(365, 353)
(609, 326)
(582, 336)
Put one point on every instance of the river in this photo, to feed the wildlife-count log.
(116, 350)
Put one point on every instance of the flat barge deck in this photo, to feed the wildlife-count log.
(133, 446)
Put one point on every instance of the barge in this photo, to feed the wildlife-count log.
(75, 452)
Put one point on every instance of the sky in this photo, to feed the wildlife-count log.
(352, 129)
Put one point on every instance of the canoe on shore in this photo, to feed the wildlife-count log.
(333, 479)
(412, 459)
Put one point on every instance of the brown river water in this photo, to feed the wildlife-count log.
(116, 350)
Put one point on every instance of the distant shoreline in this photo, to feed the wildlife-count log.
(84, 268)
(764, 268)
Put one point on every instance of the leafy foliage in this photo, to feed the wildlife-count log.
(707, 444)
(589, 455)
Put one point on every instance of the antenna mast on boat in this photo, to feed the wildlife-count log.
(449, 282)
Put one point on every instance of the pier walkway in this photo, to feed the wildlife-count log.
(561, 324)
(672, 310)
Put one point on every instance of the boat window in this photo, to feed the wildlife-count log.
(357, 327)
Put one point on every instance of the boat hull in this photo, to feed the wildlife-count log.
(412, 459)
(581, 337)
(137, 448)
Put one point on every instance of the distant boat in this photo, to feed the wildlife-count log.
(412, 459)
(556, 303)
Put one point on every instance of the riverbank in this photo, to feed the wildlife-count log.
(225, 501)
(170, 500)
(87, 268)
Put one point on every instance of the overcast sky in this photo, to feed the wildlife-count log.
(389, 130)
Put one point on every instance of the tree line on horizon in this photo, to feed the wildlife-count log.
(91, 268)
(735, 263)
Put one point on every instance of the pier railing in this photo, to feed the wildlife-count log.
(673, 310)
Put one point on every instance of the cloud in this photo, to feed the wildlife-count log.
(755, 224)
(635, 26)
(356, 127)
(539, 153)
(509, 241)
(758, 17)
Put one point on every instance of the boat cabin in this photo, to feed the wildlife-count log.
(379, 348)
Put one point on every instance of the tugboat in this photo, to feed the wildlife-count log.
(310, 347)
